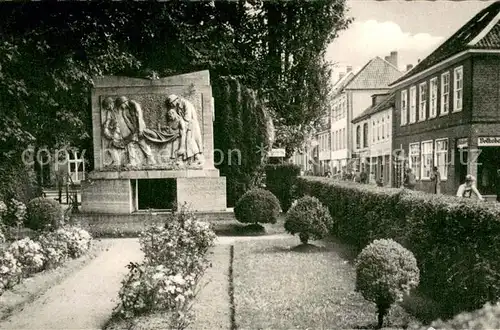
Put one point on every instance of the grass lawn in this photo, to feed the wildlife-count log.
(235, 228)
(277, 288)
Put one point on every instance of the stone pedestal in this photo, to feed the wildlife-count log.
(107, 197)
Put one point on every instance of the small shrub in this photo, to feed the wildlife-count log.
(308, 218)
(10, 271)
(257, 206)
(29, 254)
(149, 288)
(55, 250)
(44, 214)
(77, 240)
(182, 243)
(15, 213)
(385, 272)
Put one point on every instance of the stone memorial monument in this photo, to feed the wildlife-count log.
(153, 146)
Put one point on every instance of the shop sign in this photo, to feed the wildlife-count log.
(277, 153)
(462, 143)
(488, 141)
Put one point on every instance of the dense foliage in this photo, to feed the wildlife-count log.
(257, 206)
(308, 218)
(243, 134)
(385, 272)
(43, 214)
(49, 54)
(454, 241)
(176, 256)
(281, 180)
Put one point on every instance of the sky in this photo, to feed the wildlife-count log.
(412, 28)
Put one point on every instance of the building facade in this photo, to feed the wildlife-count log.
(447, 109)
(370, 85)
(372, 136)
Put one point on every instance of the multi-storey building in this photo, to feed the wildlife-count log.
(373, 137)
(332, 140)
(373, 78)
(447, 109)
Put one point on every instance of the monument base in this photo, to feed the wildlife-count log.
(124, 196)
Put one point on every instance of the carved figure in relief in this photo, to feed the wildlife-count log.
(111, 131)
(191, 134)
(130, 124)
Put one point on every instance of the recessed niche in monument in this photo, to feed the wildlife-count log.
(156, 194)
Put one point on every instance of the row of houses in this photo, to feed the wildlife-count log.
(443, 112)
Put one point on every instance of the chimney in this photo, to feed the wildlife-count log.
(348, 69)
(377, 98)
(409, 67)
(393, 58)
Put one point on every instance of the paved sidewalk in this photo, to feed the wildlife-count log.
(84, 300)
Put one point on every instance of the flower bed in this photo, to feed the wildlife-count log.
(161, 289)
(25, 257)
(456, 242)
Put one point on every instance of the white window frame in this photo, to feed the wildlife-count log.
(443, 109)
(433, 93)
(422, 101)
(411, 153)
(404, 107)
(423, 159)
(413, 104)
(443, 168)
(458, 86)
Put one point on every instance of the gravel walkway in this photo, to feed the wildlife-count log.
(84, 300)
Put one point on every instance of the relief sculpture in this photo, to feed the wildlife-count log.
(175, 142)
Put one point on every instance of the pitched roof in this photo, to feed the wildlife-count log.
(342, 82)
(376, 74)
(386, 103)
(481, 32)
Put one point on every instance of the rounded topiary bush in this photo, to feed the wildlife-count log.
(385, 272)
(43, 214)
(308, 218)
(257, 206)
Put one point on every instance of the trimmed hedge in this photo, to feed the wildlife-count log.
(281, 180)
(456, 242)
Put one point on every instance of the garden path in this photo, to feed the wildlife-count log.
(84, 300)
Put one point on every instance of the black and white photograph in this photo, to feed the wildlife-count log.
(250, 165)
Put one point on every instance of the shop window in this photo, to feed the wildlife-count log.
(426, 159)
(441, 157)
(415, 158)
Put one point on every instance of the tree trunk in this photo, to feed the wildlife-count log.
(304, 238)
(382, 310)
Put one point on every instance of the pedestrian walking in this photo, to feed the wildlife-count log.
(436, 181)
(466, 189)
